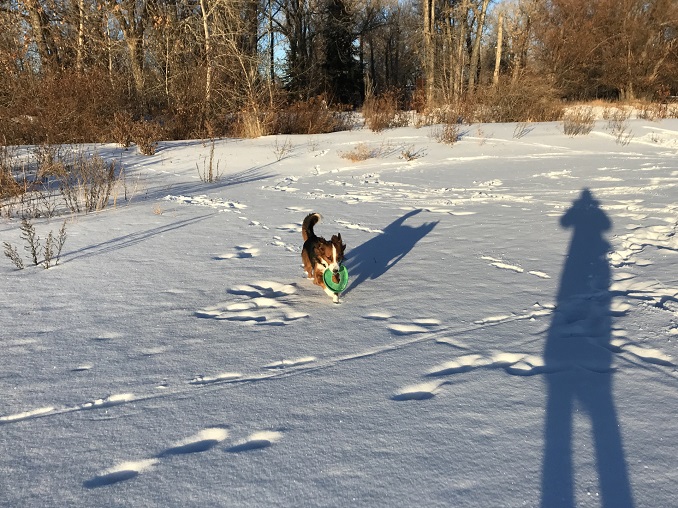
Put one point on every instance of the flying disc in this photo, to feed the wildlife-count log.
(343, 280)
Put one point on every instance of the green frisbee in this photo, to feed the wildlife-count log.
(343, 280)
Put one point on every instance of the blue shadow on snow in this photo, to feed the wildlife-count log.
(578, 358)
(376, 256)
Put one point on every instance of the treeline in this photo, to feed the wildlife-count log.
(95, 70)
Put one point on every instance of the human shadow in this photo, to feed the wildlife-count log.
(376, 256)
(578, 362)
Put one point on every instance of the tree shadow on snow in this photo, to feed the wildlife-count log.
(578, 358)
(375, 257)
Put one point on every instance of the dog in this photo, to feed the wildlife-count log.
(318, 254)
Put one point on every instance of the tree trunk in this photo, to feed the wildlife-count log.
(500, 40)
(458, 86)
(475, 53)
(39, 26)
(429, 50)
(209, 62)
(79, 55)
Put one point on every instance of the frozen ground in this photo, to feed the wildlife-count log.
(509, 335)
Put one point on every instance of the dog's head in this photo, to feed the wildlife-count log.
(331, 254)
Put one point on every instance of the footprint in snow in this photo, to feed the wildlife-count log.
(204, 440)
(278, 242)
(421, 391)
(378, 316)
(122, 472)
(241, 252)
(498, 263)
(256, 441)
(419, 325)
(262, 303)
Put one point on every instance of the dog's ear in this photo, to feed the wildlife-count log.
(343, 245)
(336, 240)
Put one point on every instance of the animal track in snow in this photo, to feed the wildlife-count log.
(660, 236)
(422, 325)
(513, 363)
(539, 310)
(358, 227)
(498, 263)
(241, 251)
(206, 380)
(620, 344)
(261, 303)
(203, 200)
(106, 402)
(290, 228)
(110, 401)
(25, 415)
(283, 364)
(649, 291)
(278, 242)
(284, 185)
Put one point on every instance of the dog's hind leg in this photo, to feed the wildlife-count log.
(308, 267)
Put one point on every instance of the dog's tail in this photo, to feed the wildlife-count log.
(307, 226)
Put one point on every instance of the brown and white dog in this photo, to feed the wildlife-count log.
(319, 255)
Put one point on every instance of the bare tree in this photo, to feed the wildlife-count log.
(480, 13)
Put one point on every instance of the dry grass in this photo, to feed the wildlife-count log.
(384, 112)
(448, 133)
(360, 153)
(578, 121)
(312, 116)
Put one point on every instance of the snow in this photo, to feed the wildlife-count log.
(507, 337)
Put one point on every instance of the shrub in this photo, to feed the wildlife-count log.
(9, 186)
(448, 133)
(361, 152)
(123, 127)
(48, 256)
(63, 107)
(87, 184)
(578, 121)
(146, 135)
(312, 116)
(383, 112)
(526, 99)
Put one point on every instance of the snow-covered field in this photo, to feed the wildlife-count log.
(508, 337)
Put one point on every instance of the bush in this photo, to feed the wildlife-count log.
(62, 107)
(361, 152)
(312, 116)
(48, 256)
(527, 99)
(87, 183)
(146, 135)
(383, 112)
(9, 186)
(578, 121)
